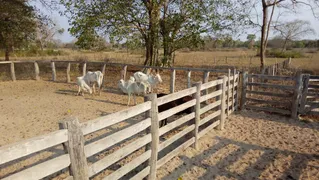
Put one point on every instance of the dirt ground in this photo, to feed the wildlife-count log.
(253, 145)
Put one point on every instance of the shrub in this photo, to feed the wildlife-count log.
(279, 54)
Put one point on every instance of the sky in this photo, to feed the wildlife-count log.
(304, 14)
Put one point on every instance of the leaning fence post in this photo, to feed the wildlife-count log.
(155, 136)
(304, 93)
(296, 96)
(123, 72)
(228, 93)
(172, 85)
(243, 92)
(13, 74)
(189, 73)
(75, 148)
(68, 79)
(37, 71)
(84, 69)
(197, 113)
(53, 71)
(205, 80)
(223, 103)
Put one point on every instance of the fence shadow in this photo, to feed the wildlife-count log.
(66, 92)
(253, 171)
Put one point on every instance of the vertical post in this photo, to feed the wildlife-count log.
(205, 80)
(304, 92)
(68, 79)
(223, 104)
(228, 93)
(75, 148)
(172, 85)
(189, 73)
(288, 63)
(103, 72)
(155, 137)
(252, 81)
(237, 93)
(13, 74)
(123, 72)
(84, 69)
(233, 94)
(37, 71)
(197, 113)
(296, 96)
(53, 71)
(243, 92)
(273, 70)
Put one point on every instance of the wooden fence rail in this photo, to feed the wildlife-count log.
(310, 95)
(71, 134)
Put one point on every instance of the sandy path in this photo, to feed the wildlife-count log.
(252, 146)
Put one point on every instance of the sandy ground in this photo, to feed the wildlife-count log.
(252, 146)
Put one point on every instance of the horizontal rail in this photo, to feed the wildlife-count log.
(105, 121)
(129, 166)
(313, 86)
(174, 96)
(175, 152)
(209, 117)
(209, 128)
(23, 148)
(210, 95)
(177, 109)
(176, 123)
(261, 76)
(211, 84)
(210, 106)
(118, 155)
(313, 80)
(176, 137)
(42, 170)
(265, 85)
(102, 144)
(142, 174)
(269, 102)
(269, 109)
(269, 93)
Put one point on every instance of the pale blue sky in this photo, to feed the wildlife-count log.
(305, 14)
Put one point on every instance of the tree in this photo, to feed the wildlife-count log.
(46, 32)
(293, 30)
(251, 38)
(17, 24)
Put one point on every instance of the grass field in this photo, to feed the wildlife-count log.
(240, 58)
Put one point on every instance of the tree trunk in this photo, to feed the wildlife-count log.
(284, 46)
(263, 37)
(7, 53)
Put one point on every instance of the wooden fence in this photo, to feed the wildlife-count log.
(310, 95)
(213, 102)
(274, 69)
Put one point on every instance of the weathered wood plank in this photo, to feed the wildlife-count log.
(243, 91)
(233, 90)
(189, 82)
(269, 94)
(197, 113)
(211, 84)
(269, 109)
(142, 174)
(209, 128)
(176, 123)
(177, 95)
(118, 155)
(265, 85)
(211, 95)
(296, 96)
(36, 71)
(12, 71)
(205, 80)
(304, 92)
(175, 152)
(68, 78)
(228, 93)
(129, 166)
(42, 170)
(105, 121)
(26, 147)
(223, 106)
(210, 106)
(270, 77)
(123, 72)
(210, 117)
(53, 71)
(174, 110)
(104, 143)
(172, 82)
(84, 69)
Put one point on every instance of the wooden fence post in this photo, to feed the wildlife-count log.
(13, 74)
(103, 72)
(233, 91)
(155, 137)
(84, 69)
(296, 96)
(75, 148)
(205, 80)
(304, 92)
(189, 73)
(172, 85)
(288, 63)
(252, 87)
(197, 113)
(228, 93)
(123, 72)
(53, 71)
(243, 92)
(237, 93)
(223, 104)
(68, 78)
(37, 71)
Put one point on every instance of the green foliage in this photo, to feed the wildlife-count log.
(284, 54)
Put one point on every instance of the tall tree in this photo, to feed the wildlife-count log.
(251, 39)
(293, 30)
(17, 24)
